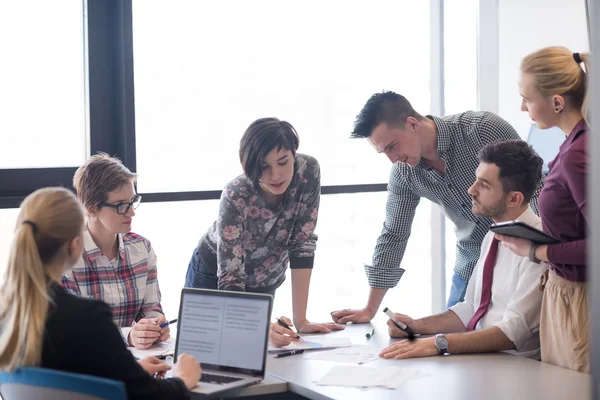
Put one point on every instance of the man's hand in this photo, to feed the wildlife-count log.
(394, 331)
(410, 349)
(361, 316)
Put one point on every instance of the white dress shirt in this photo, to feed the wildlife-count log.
(516, 299)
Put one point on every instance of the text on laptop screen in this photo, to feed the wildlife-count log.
(224, 331)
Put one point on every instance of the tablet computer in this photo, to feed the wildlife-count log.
(522, 230)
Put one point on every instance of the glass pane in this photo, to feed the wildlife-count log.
(207, 73)
(42, 106)
(8, 219)
(460, 55)
(460, 84)
(348, 227)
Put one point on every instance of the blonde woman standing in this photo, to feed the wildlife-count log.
(554, 86)
(42, 325)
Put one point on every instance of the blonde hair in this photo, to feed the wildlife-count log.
(98, 176)
(49, 218)
(556, 72)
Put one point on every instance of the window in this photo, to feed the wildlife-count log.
(460, 84)
(42, 106)
(348, 227)
(460, 56)
(205, 73)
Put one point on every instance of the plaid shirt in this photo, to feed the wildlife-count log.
(459, 139)
(131, 290)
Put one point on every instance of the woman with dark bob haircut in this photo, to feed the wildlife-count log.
(267, 219)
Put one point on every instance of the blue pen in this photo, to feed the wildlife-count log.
(168, 323)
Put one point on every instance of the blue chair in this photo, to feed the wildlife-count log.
(48, 384)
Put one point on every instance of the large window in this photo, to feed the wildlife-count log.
(42, 96)
(210, 68)
(460, 84)
(205, 73)
(348, 227)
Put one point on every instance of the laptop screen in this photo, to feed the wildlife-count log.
(224, 330)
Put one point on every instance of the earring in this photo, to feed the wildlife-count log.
(557, 110)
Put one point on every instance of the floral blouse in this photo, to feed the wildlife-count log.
(250, 244)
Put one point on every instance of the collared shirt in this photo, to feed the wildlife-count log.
(459, 139)
(564, 206)
(130, 289)
(516, 299)
(251, 243)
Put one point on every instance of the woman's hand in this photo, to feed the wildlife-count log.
(154, 366)
(280, 336)
(517, 245)
(327, 327)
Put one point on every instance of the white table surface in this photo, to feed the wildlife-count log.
(460, 377)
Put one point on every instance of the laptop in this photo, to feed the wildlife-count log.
(546, 142)
(227, 332)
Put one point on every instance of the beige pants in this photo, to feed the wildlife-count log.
(564, 323)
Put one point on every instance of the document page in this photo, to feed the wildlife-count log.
(223, 330)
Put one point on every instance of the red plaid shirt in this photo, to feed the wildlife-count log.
(130, 289)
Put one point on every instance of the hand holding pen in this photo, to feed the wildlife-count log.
(281, 333)
(395, 322)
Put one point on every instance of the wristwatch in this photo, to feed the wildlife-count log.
(532, 256)
(441, 343)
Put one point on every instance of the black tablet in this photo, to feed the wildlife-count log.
(522, 230)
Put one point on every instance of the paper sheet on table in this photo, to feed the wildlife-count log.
(366, 377)
(355, 354)
(160, 349)
(313, 343)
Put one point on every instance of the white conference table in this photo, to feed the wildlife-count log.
(460, 377)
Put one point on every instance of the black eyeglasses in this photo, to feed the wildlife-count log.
(122, 208)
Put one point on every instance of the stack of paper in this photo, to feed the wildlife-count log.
(314, 343)
(365, 377)
(354, 354)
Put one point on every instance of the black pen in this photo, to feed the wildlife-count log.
(286, 326)
(288, 353)
(400, 325)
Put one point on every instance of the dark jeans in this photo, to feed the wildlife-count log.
(201, 277)
(457, 290)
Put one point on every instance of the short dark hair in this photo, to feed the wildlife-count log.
(262, 136)
(385, 107)
(520, 166)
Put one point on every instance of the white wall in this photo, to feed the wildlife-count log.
(526, 26)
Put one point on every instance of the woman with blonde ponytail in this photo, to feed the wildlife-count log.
(555, 85)
(42, 325)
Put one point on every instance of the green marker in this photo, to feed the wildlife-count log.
(370, 333)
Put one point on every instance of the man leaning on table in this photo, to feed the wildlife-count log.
(501, 310)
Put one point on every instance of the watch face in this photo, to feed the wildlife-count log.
(441, 342)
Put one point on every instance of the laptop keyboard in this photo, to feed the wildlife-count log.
(218, 379)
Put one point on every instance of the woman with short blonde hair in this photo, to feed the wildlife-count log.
(118, 266)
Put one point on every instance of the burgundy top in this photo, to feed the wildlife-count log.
(563, 206)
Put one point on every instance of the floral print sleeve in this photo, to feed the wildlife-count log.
(230, 262)
(303, 242)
